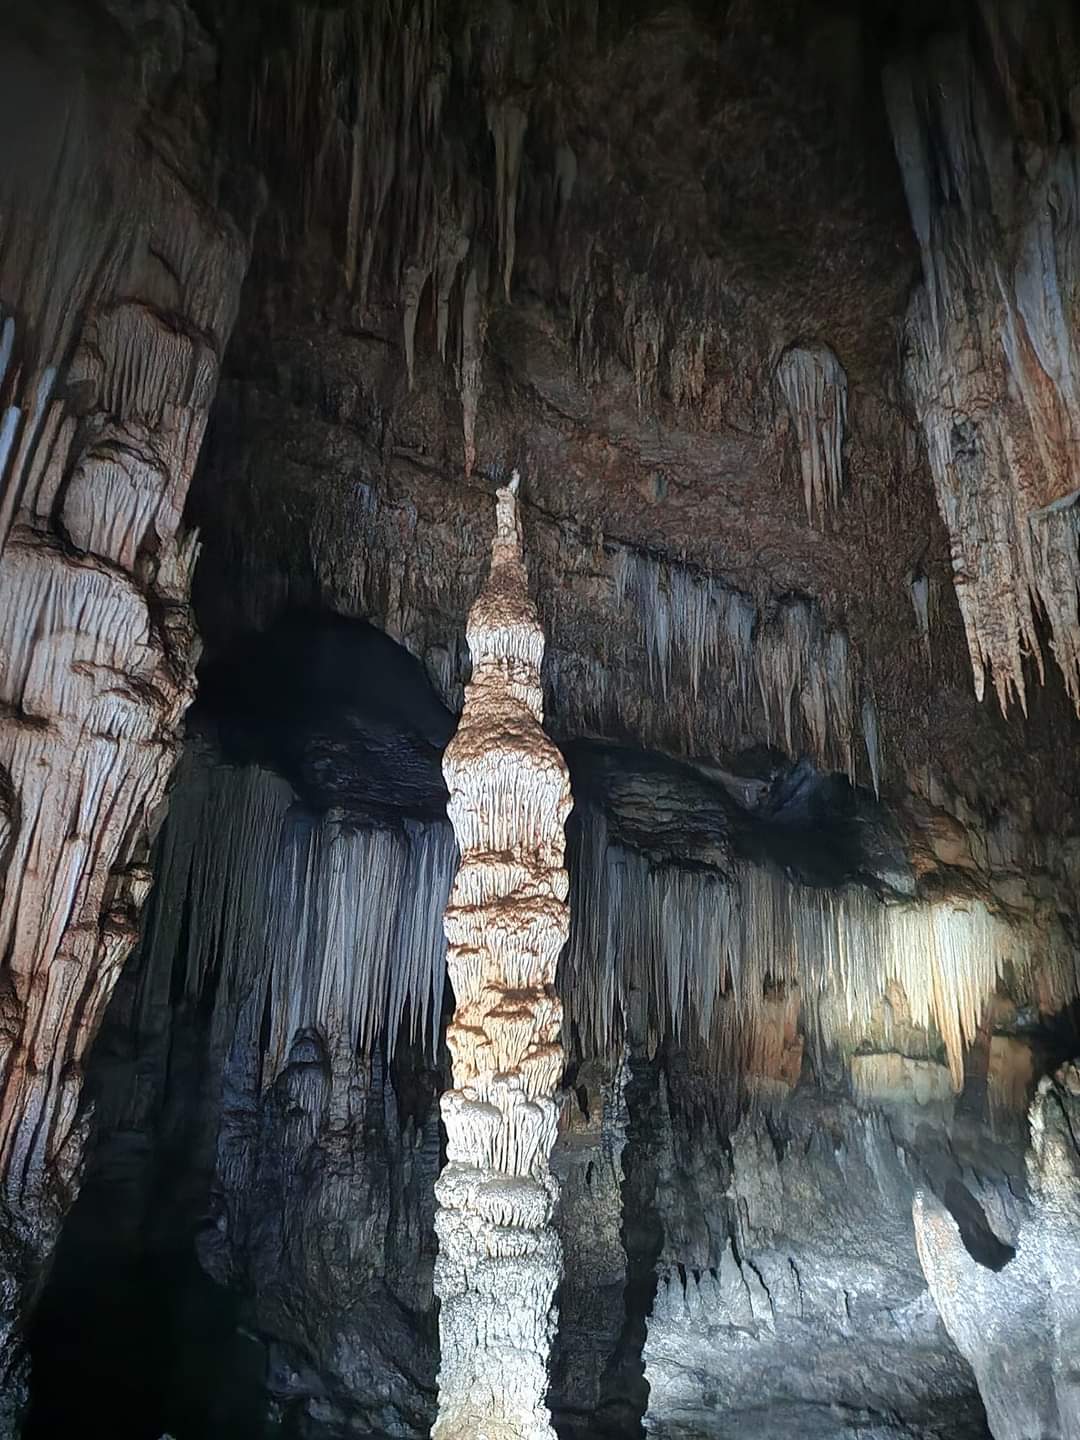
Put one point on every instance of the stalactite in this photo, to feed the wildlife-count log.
(321, 927)
(872, 740)
(282, 956)
(920, 601)
(672, 951)
(96, 673)
(777, 674)
(668, 313)
(506, 923)
(507, 123)
(111, 336)
(773, 672)
(356, 101)
(993, 364)
(814, 386)
(470, 362)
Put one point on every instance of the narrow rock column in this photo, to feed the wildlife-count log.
(506, 923)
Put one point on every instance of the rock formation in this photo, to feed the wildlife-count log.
(985, 131)
(111, 335)
(506, 924)
(815, 389)
(776, 309)
(1018, 1324)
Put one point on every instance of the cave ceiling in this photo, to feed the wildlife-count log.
(660, 260)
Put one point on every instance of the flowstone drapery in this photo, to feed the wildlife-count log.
(119, 284)
(506, 923)
(985, 133)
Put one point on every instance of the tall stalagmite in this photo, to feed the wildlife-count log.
(506, 923)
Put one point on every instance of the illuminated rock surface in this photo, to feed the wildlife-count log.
(1018, 1323)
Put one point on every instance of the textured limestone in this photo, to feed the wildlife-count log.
(745, 930)
(305, 1169)
(814, 387)
(444, 161)
(789, 1301)
(257, 1147)
(111, 335)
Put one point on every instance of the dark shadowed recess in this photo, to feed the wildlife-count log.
(334, 705)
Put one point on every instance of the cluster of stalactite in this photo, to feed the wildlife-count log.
(400, 127)
(726, 669)
(271, 925)
(417, 140)
(773, 671)
(740, 964)
(814, 387)
(111, 335)
(314, 924)
(734, 962)
(499, 1257)
(992, 173)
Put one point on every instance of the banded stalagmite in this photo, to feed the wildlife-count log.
(506, 923)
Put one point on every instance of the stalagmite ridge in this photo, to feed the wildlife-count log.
(506, 924)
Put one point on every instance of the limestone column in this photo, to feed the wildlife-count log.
(506, 923)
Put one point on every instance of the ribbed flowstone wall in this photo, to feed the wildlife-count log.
(119, 283)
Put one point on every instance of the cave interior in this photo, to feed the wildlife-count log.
(539, 692)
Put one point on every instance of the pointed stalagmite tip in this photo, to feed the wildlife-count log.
(507, 522)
